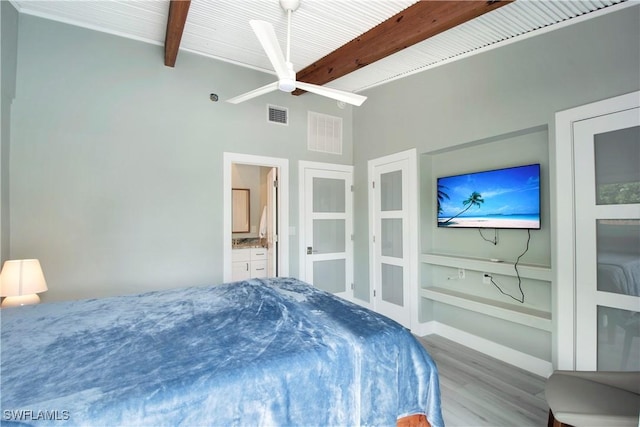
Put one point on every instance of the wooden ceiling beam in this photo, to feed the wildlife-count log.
(178, 10)
(416, 23)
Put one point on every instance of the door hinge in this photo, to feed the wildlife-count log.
(275, 238)
(352, 238)
(275, 183)
(374, 293)
(352, 286)
(374, 239)
(352, 188)
(373, 184)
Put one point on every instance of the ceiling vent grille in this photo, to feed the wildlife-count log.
(278, 115)
(324, 133)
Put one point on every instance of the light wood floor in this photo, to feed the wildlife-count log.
(478, 390)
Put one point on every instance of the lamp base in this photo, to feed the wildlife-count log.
(17, 301)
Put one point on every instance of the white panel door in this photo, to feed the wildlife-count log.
(394, 236)
(272, 223)
(327, 227)
(607, 210)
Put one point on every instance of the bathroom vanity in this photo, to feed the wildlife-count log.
(248, 262)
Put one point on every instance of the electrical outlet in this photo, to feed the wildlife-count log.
(486, 278)
(461, 273)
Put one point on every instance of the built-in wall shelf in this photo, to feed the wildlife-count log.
(529, 271)
(455, 296)
(523, 315)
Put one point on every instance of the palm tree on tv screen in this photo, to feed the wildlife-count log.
(441, 196)
(475, 199)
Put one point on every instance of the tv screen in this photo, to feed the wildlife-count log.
(501, 198)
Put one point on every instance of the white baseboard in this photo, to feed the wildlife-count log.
(423, 329)
(508, 355)
(362, 303)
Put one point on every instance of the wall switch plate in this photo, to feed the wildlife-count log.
(461, 273)
(486, 278)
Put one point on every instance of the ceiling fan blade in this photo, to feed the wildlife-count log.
(254, 93)
(269, 41)
(339, 95)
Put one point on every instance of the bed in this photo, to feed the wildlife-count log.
(619, 273)
(256, 352)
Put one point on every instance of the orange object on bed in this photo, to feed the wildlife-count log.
(417, 420)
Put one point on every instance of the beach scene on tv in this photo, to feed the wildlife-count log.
(502, 198)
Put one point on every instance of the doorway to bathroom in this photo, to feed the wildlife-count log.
(256, 220)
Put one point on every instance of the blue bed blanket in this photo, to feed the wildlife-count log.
(259, 352)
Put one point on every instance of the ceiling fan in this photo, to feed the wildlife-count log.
(284, 68)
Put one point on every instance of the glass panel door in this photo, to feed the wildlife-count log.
(327, 221)
(391, 211)
(607, 158)
(329, 240)
(391, 238)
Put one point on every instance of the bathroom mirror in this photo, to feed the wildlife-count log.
(240, 210)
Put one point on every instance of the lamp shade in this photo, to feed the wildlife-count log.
(21, 277)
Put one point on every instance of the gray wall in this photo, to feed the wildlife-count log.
(9, 54)
(116, 165)
(474, 106)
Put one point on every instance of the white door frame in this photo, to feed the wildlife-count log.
(413, 203)
(272, 225)
(588, 294)
(563, 249)
(283, 207)
(333, 167)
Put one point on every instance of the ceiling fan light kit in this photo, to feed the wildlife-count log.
(284, 68)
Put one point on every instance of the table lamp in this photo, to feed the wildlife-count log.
(20, 282)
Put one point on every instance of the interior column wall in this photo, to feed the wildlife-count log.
(9, 58)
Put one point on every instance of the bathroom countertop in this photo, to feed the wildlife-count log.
(247, 246)
(247, 243)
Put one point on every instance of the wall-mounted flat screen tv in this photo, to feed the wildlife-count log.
(500, 198)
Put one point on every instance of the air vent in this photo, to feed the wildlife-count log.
(278, 115)
(324, 133)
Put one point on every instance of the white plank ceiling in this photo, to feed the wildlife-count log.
(220, 29)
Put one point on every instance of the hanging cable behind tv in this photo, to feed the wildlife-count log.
(515, 266)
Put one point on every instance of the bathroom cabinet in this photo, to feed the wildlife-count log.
(248, 263)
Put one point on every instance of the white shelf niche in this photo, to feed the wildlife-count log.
(527, 316)
(523, 315)
(528, 271)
